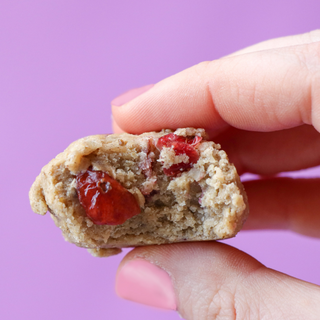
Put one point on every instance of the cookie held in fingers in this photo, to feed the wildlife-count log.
(106, 192)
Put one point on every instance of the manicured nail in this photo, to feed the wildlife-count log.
(143, 282)
(129, 95)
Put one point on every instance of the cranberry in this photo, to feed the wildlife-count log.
(194, 141)
(168, 139)
(180, 145)
(104, 199)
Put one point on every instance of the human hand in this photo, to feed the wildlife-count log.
(263, 105)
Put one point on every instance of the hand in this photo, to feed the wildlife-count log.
(263, 105)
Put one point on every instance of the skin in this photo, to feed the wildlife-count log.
(263, 105)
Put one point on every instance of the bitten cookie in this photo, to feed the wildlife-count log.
(106, 192)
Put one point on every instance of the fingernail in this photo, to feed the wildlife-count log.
(130, 95)
(143, 282)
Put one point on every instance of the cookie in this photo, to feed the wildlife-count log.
(106, 192)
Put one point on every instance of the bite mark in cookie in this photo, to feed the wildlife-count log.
(171, 187)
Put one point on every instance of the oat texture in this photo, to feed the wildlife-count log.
(205, 202)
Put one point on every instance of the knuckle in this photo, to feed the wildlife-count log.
(211, 304)
(222, 306)
(314, 35)
(309, 57)
(202, 67)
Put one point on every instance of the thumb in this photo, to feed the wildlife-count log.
(213, 281)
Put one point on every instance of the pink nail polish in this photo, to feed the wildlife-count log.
(143, 282)
(130, 95)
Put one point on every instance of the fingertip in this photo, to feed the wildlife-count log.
(174, 276)
(144, 282)
(204, 279)
(179, 101)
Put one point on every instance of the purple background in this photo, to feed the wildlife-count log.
(61, 63)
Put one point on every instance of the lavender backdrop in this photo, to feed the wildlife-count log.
(61, 63)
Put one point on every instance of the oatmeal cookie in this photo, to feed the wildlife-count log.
(106, 192)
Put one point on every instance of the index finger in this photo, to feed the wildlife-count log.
(259, 91)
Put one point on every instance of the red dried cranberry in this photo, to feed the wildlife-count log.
(167, 140)
(104, 199)
(180, 145)
(194, 141)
